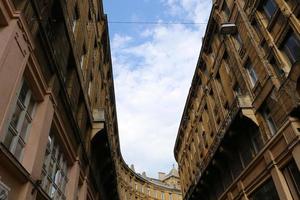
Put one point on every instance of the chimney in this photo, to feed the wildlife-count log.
(144, 174)
(132, 167)
(161, 175)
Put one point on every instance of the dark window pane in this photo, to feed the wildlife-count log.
(270, 8)
(292, 48)
(23, 92)
(292, 176)
(266, 192)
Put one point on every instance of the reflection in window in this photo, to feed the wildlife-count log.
(54, 173)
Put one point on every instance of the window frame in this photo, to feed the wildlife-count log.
(54, 162)
(266, 113)
(287, 50)
(252, 74)
(25, 115)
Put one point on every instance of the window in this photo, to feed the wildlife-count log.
(292, 176)
(20, 122)
(269, 7)
(54, 172)
(4, 190)
(226, 9)
(237, 90)
(19, 4)
(291, 47)
(238, 42)
(90, 88)
(82, 59)
(170, 196)
(75, 18)
(162, 196)
(280, 72)
(265, 192)
(251, 73)
(268, 117)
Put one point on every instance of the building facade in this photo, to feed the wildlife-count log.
(133, 185)
(240, 130)
(57, 106)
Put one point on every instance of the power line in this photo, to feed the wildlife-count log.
(156, 23)
(171, 23)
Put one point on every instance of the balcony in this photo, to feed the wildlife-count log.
(230, 152)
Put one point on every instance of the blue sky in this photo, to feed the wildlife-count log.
(153, 68)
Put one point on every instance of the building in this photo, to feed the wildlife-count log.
(57, 106)
(240, 130)
(58, 121)
(133, 185)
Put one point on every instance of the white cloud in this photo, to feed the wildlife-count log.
(152, 79)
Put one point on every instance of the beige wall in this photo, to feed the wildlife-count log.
(215, 105)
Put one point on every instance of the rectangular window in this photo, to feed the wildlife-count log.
(75, 18)
(269, 7)
(291, 47)
(238, 42)
(269, 120)
(265, 192)
(251, 73)
(4, 190)
(170, 197)
(162, 196)
(226, 9)
(54, 172)
(19, 4)
(20, 122)
(292, 176)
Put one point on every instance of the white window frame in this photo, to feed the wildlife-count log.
(269, 120)
(56, 183)
(18, 136)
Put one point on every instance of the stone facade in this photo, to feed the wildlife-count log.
(133, 185)
(58, 122)
(240, 131)
(57, 106)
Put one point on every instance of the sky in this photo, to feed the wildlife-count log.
(153, 66)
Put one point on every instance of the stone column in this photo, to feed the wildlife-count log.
(278, 178)
(296, 155)
(35, 148)
(241, 188)
(83, 190)
(72, 185)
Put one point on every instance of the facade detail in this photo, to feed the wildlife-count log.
(57, 106)
(58, 121)
(133, 185)
(239, 136)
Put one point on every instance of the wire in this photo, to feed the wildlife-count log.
(155, 23)
(172, 23)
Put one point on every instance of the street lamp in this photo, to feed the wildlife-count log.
(228, 28)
